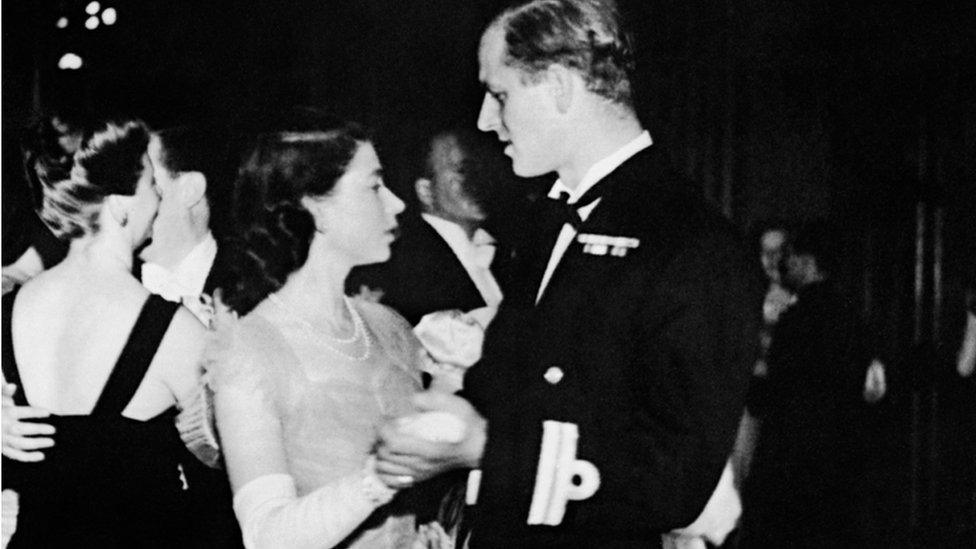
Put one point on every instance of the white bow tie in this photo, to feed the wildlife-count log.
(162, 282)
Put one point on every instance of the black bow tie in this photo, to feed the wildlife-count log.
(570, 212)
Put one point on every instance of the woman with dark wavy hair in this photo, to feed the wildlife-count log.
(308, 375)
(88, 342)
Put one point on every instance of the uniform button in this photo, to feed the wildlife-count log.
(553, 375)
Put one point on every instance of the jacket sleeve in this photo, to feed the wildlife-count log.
(699, 333)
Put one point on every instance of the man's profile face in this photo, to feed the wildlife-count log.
(450, 195)
(171, 208)
(519, 111)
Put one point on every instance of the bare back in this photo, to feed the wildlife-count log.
(70, 325)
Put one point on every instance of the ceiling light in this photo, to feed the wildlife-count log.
(70, 61)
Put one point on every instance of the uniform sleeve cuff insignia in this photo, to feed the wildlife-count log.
(557, 475)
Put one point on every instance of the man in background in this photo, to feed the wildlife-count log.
(444, 258)
(802, 488)
(182, 263)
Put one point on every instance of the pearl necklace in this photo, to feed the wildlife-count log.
(359, 330)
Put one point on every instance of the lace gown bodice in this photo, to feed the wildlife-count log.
(329, 407)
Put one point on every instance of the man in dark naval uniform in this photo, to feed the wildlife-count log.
(610, 389)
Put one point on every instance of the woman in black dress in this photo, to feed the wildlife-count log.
(86, 341)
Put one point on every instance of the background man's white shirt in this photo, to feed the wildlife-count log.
(185, 283)
(475, 255)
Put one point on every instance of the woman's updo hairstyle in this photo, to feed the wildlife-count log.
(273, 230)
(108, 162)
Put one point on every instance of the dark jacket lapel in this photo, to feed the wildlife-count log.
(634, 204)
(217, 276)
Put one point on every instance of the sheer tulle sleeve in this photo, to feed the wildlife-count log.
(240, 356)
(222, 363)
(196, 422)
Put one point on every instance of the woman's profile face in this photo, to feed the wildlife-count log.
(359, 216)
(144, 205)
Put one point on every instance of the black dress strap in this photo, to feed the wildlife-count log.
(136, 356)
(10, 371)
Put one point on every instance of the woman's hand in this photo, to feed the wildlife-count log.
(22, 439)
(403, 457)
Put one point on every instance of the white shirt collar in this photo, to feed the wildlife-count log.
(602, 168)
(454, 233)
(192, 271)
(195, 267)
(474, 254)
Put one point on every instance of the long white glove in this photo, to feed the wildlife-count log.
(272, 515)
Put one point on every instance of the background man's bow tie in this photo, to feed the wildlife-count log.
(163, 282)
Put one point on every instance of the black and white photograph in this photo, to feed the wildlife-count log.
(488, 274)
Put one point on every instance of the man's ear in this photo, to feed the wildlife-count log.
(562, 84)
(193, 188)
(425, 192)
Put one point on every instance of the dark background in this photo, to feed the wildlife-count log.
(863, 112)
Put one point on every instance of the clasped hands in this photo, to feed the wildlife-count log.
(411, 450)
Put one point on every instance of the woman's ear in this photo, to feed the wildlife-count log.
(318, 208)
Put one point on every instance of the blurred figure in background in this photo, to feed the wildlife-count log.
(802, 488)
(966, 361)
(772, 244)
(47, 148)
(771, 237)
(955, 466)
